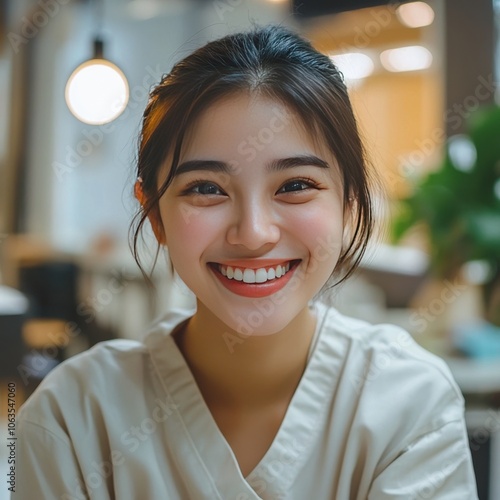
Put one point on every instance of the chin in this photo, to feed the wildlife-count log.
(262, 319)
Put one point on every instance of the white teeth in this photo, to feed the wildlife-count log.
(278, 271)
(260, 276)
(249, 276)
(254, 275)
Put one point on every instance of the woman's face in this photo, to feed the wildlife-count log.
(253, 219)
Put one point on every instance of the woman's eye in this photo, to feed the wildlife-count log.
(295, 186)
(205, 188)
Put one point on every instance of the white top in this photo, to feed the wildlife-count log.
(374, 417)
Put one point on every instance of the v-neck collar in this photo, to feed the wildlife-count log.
(200, 448)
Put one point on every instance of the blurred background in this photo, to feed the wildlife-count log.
(423, 81)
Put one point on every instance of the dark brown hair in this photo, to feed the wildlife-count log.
(277, 63)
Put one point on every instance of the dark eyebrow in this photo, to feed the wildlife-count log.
(274, 166)
(296, 161)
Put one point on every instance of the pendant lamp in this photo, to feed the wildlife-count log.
(97, 91)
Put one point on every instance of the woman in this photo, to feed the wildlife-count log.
(252, 173)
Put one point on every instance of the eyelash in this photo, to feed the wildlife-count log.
(189, 189)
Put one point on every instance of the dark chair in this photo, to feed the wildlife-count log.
(51, 288)
(13, 308)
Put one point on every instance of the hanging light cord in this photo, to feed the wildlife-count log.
(98, 18)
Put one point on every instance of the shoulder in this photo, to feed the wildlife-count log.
(85, 381)
(384, 365)
(96, 385)
(101, 363)
(394, 395)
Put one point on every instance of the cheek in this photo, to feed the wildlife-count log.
(189, 230)
(321, 230)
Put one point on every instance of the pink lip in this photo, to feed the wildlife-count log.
(255, 290)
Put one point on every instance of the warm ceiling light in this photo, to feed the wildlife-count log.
(353, 65)
(97, 91)
(415, 14)
(406, 58)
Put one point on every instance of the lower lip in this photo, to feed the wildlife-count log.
(255, 290)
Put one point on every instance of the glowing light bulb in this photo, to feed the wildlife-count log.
(97, 92)
(353, 65)
(415, 14)
(410, 58)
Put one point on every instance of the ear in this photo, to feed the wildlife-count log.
(154, 214)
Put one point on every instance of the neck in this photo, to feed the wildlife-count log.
(233, 371)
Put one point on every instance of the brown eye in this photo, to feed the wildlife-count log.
(296, 185)
(204, 189)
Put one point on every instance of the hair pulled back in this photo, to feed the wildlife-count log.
(276, 63)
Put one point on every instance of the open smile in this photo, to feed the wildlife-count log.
(251, 281)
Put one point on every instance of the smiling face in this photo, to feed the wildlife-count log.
(253, 219)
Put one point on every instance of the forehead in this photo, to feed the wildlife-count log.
(246, 126)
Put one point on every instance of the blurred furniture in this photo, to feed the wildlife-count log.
(13, 311)
(115, 294)
(51, 288)
(483, 428)
(397, 270)
(48, 280)
(20, 250)
(479, 381)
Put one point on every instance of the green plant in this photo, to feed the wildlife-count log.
(459, 204)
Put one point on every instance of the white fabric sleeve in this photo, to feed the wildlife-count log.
(46, 466)
(436, 465)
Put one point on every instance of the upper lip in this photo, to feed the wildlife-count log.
(254, 263)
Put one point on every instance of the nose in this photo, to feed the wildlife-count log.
(254, 225)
